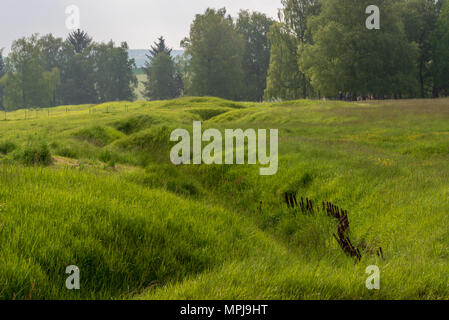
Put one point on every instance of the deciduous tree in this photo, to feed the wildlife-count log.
(254, 28)
(345, 55)
(216, 50)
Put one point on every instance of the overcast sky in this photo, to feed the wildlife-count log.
(139, 22)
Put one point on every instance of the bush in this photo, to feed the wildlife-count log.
(37, 155)
(7, 146)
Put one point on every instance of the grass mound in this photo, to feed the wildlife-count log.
(138, 226)
(207, 114)
(135, 124)
(98, 135)
(120, 235)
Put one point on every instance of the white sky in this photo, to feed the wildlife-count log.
(139, 22)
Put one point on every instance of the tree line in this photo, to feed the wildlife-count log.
(319, 48)
(323, 48)
(224, 57)
(316, 48)
(47, 71)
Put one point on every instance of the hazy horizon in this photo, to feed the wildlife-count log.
(137, 22)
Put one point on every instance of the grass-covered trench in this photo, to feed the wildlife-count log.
(93, 186)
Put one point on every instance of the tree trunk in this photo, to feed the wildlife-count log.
(421, 78)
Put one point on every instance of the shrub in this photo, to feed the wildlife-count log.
(38, 154)
(7, 146)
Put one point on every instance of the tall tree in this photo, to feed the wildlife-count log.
(79, 40)
(419, 18)
(346, 56)
(51, 52)
(183, 73)
(158, 47)
(286, 79)
(155, 49)
(216, 51)
(12, 92)
(78, 70)
(162, 83)
(163, 79)
(2, 74)
(26, 85)
(254, 28)
(51, 57)
(440, 48)
(115, 80)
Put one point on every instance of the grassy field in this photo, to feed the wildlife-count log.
(93, 186)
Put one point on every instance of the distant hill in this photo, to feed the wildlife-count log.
(140, 55)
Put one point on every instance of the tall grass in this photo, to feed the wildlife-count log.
(109, 201)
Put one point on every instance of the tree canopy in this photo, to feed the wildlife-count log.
(163, 79)
(216, 50)
(46, 71)
(440, 49)
(254, 28)
(2, 74)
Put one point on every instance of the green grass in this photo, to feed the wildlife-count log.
(138, 227)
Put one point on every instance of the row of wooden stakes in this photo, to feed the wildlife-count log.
(342, 235)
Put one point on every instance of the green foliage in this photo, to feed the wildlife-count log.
(200, 232)
(2, 74)
(419, 18)
(254, 28)
(79, 40)
(162, 84)
(79, 219)
(7, 146)
(157, 48)
(284, 79)
(346, 56)
(98, 135)
(68, 152)
(135, 123)
(46, 71)
(164, 79)
(168, 178)
(116, 80)
(77, 72)
(27, 83)
(216, 51)
(37, 154)
(153, 139)
(440, 66)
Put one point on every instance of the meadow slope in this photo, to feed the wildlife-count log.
(93, 186)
